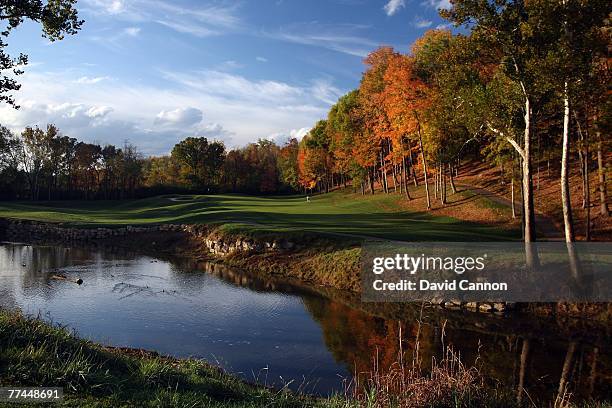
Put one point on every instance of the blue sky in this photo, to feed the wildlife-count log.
(156, 71)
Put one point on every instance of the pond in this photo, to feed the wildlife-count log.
(279, 333)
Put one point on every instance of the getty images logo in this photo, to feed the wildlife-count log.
(412, 264)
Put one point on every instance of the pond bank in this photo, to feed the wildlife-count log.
(34, 352)
(321, 261)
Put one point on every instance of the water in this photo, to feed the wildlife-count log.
(278, 333)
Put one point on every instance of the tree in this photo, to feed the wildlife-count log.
(575, 46)
(319, 143)
(34, 153)
(508, 28)
(201, 161)
(374, 144)
(10, 148)
(404, 97)
(57, 19)
(287, 164)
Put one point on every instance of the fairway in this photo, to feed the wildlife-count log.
(378, 216)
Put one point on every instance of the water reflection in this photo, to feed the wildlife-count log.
(278, 331)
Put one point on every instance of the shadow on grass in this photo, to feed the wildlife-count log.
(336, 213)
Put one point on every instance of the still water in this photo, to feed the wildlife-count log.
(278, 333)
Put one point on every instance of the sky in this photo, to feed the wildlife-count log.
(153, 72)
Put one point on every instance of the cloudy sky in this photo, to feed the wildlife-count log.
(156, 71)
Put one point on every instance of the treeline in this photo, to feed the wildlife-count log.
(44, 164)
(527, 73)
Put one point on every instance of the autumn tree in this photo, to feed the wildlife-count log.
(405, 99)
(376, 126)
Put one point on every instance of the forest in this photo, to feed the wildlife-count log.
(518, 86)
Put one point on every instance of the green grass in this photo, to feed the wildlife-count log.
(378, 216)
(34, 353)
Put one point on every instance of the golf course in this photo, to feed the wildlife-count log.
(338, 213)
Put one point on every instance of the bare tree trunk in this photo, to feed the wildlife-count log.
(522, 372)
(424, 165)
(512, 197)
(402, 173)
(565, 193)
(442, 180)
(371, 178)
(565, 372)
(593, 374)
(394, 173)
(412, 167)
(538, 170)
(406, 179)
(383, 172)
(582, 177)
(603, 204)
(436, 184)
(531, 255)
(586, 188)
(452, 180)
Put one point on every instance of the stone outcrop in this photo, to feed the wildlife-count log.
(217, 244)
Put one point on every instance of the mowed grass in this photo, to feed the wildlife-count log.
(378, 216)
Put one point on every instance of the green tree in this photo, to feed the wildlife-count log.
(57, 19)
(200, 159)
(509, 28)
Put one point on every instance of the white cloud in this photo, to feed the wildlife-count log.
(132, 31)
(281, 138)
(341, 38)
(323, 90)
(180, 116)
(235, 87)
(420, 22)
(155, 117)
(91, 80)
(230, 65)
(107, 6)
(98, 111)
(299, 133)
(200, 21)
(393, 6)
(439, 4)
(261, 59)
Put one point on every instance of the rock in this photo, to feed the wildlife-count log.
(499, 306)
(452, 304)
(485, 307)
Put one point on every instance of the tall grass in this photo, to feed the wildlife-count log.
(405, 384)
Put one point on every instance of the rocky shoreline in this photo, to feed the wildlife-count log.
(308, 262)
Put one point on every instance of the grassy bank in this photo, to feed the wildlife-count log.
(340, 213)
(35, 353)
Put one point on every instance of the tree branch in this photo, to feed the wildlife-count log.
(510, 140)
